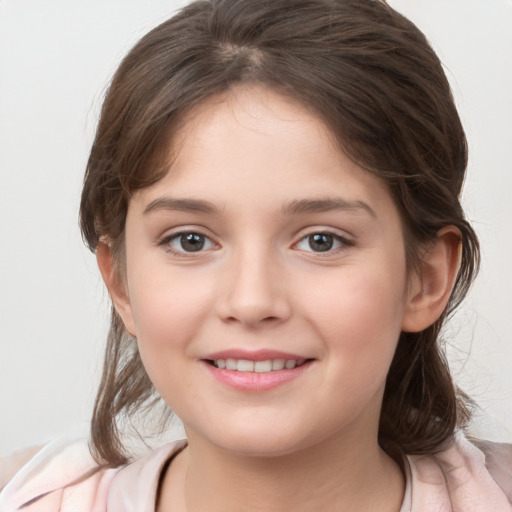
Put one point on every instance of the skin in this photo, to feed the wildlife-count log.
(259, 283)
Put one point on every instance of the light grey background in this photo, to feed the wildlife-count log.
(55, 60)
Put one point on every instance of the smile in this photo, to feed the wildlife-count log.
(245, 365)
(255, 371)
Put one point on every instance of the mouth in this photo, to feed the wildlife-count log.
(256, 371)
(250, 366)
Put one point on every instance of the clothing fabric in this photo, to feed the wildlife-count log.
(63, 477)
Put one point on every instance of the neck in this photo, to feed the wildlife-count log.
(339, 475)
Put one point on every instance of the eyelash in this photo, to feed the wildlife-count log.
(167, 240)
(343, 243)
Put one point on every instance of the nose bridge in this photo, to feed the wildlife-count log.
(254, 288)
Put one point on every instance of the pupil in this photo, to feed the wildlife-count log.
(321, 242)
(192, 242)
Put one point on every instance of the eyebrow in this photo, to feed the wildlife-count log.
(297, 206)
(322, 205)
(184, 205)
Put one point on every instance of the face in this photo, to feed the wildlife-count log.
(265, 279)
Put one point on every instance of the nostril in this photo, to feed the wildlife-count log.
(252, 318)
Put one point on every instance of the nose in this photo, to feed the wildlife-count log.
(253, 291)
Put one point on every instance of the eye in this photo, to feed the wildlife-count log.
(322, 242)
(187, 242)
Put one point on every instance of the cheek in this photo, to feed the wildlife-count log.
(359, 319)
(168, 309)
(167, 316)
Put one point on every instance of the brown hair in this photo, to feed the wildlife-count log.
(371, 75)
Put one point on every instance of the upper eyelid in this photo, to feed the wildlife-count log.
(299, 235)
(166, 243)
(168, 238)
(312, 230)
(345, 240)
(171, 233)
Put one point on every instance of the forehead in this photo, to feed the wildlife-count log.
(253, 142)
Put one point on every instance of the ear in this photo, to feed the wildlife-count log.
(116, 285)
(430, 291)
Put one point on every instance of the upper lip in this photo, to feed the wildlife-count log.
(253, 355)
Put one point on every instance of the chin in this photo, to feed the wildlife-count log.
(258, 440)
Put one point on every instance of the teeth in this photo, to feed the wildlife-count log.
(245, 366)
(262, 366)
(270, 365)
(231, 364)
(278, 364)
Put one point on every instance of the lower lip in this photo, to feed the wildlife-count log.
(254, 381)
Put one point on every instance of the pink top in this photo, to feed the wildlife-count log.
(63, 477)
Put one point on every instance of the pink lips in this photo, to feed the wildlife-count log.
(254, 381)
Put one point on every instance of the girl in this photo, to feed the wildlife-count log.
(273, 200)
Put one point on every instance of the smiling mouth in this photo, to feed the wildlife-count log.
(267, 366)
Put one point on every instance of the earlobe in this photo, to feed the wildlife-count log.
(115, 285)
(429, 292)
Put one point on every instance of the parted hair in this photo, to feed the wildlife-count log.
(372, 77)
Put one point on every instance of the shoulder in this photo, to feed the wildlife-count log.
(11, 464)
(61, 473)
(498, 461)
(464, 476)
(64, 477)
